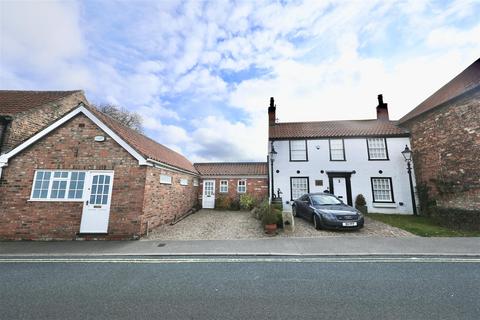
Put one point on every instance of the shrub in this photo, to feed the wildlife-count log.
(279, 215)
(223, 202)
(247, 202)
(360, 200)
(269, 217)
(427, 204)
(459, 219)
(235, 204)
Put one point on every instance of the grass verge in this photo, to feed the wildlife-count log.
(421, 226)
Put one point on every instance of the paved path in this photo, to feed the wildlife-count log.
(271, 246)
(234, 289)
(224, 225)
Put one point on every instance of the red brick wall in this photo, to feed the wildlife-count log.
(71, 146)
(26, 124)
(446, 145)
(163, 202)
(256, 187)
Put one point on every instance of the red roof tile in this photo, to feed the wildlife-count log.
(467, 80)
(232, 168)
(16, 101)
(343, 128)
(149, 148)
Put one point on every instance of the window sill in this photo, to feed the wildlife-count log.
(384, 205)
(55, 200)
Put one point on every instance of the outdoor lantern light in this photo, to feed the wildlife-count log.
(273, 153)
(407, 154)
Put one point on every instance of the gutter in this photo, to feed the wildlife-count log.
(167, 166)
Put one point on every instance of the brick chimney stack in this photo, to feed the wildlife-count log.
(382, 109)
(272, 112)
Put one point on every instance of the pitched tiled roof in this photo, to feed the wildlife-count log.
(16, 101)
(467, 80)
(149, 148)
(232, 168)
(342, 128)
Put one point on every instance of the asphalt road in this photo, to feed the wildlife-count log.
(239, 288)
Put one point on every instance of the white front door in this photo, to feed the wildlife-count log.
(340, 188)
(96, 208)
(208, 198)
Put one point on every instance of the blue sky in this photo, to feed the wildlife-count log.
(201, 73)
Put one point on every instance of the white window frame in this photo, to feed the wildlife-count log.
(298, 149)
(303, 192)
(245, 186)
(183, 181)
(165, 179)
(50, 185)
(390, 190)
(223, 188)
(371, 141)
(337, 149)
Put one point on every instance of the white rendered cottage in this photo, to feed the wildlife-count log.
(345, 158)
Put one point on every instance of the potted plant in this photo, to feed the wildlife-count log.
(269, 221)
(361, 204)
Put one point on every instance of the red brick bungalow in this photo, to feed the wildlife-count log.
(87, 175)
(230, 180)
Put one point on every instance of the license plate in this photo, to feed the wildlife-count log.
(349, 224)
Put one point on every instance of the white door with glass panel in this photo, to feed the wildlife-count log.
(208, 198)
(340, 188)
(96, 207)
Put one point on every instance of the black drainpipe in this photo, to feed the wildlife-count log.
(5, 120)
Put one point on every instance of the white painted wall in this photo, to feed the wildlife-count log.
(356, 155)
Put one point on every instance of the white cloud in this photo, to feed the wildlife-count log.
(40, 34)
(321, 60)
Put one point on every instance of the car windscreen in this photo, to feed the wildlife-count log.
(322, 199)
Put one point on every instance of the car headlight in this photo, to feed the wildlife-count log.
(328, 215)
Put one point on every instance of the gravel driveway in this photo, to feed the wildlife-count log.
(225, 225)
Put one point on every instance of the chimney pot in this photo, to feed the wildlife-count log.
(380, 99)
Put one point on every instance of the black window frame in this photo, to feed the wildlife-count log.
(391, 190)
(291, 189)
(330, 149)
(290, 150)
(386, 149)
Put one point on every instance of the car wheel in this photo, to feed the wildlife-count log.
(294, 211)
(316, 222)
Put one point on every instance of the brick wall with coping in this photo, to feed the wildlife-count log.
(26, 124)
(446, 145)
(71, 146)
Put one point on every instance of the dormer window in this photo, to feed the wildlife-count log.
(377, 149)
(298, 150)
